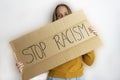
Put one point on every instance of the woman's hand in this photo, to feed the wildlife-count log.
(20, 66)
(92, 31)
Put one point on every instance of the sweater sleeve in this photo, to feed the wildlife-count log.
(88, 58)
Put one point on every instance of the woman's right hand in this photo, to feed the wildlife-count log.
(20, 66)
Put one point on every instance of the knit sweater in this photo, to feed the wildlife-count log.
(73, 68)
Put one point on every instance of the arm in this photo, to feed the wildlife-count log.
(89, 58)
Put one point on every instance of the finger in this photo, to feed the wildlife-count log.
(19, 64)
(91, 30)
(95, 33)
(21, 69)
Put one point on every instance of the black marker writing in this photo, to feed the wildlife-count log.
(63, 38)
(35, 52)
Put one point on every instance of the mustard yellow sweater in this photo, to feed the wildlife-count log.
(73, 68)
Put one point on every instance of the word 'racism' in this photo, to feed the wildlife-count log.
(71, 35)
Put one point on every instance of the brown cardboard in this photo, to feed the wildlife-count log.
(54, 44)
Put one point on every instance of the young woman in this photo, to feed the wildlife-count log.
(72, 70)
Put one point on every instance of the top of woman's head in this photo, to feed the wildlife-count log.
(60, 11)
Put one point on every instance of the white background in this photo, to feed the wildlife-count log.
(18, 17)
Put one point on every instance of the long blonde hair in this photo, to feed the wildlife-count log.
(54, 18)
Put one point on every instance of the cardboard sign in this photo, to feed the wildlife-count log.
(55, 44)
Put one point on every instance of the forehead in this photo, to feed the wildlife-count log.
(62, 9)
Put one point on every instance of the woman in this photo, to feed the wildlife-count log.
(72, 70)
